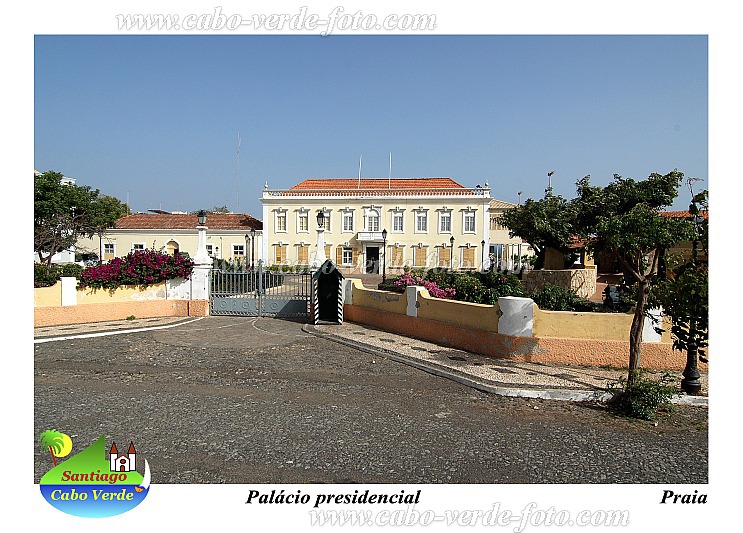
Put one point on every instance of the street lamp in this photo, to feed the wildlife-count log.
(245, 254)
(451, 254)
(202, 217)
(384, 255)
(252, 248)
(482, 254)
(691, 384)
(202, 256)
(320, 257)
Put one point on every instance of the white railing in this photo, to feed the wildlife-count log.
(381, 192)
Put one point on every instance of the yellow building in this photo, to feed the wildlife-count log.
(505, 251)
(229, 236)
(374, 223)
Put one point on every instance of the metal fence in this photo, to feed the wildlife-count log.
(260, 292)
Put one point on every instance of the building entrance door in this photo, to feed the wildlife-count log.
(372, 260)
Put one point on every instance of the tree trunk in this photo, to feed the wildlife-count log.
(635, 333)
(54, 459)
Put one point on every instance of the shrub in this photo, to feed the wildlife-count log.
(140, 267)
(46, 276)
(406, 280)
(502, 284)
(469, 288)
(556, 298)
(644, 397)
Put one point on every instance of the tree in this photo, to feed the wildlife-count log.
(549, 222)
(54, 441)
(65, 212)
(684, 295)
(624, 219)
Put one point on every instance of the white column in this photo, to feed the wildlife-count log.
(69, 290)
(202, 265)
(320, 256)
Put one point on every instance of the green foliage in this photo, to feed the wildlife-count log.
(644, 396)
(63, 213)
(684, 292)
(138, 268)
(131, 317)
(556, 298)
(48, 275)
(549, 222)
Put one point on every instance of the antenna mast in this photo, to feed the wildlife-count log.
(389, 179)
(360, 171)
(237, 172)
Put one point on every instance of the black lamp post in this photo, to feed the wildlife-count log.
(245, 254)
(320, 219)
(252, 248)
(691, 384)
(384, 255)
(202, 217)
(451, 254)
(482, 255)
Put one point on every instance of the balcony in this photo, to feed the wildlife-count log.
(369, 236)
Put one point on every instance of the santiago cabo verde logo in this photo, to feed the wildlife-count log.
(87, 484)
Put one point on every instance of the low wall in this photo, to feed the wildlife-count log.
(581, 280)
(64, 304)
(515, 329)
(101, 312)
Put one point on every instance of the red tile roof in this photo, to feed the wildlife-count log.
(377, 187)
(214, 221)
(380, 183)
(683, 214)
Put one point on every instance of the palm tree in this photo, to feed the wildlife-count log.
(54, 440)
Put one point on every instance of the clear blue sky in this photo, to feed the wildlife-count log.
(158, 117)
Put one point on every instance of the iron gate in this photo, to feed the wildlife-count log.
(260, 292)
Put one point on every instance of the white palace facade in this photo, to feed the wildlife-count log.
(370, 224)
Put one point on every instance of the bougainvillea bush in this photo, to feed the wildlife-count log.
(140, 268)
(434, 290)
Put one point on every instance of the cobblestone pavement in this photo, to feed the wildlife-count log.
(241, 400)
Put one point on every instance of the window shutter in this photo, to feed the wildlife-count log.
(468, 258)
(339, 255)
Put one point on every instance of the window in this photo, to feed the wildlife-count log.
(419, 258)
(303, 222)
(326, 221)
(238, 252)
(280, 253)
(281, 221)
(421, 222)
(137, 246)
(469, 222)
(396, 255)
(468, 257)
(303, 254)
(347, 220)
(445, 222)
(109, 251)
(347, 256)
(397, 222)
(445, 257)
(372, 220)
(210, 250)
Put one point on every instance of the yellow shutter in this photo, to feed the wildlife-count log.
(303, 255)
(355, 259)
(327, 251)
(444, 257)
(396, 259)
(339, 255)
(420, 257)
(280, 254)
(468, 258)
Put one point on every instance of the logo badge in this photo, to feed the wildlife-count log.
(89, 483)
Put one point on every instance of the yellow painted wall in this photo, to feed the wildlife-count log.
(566, 324)
(122, 294)
(465, 314)
(48, 296)
(390, 302)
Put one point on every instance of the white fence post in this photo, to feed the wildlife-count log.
(69, 290)
(517, 318)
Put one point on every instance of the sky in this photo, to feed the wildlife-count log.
(155, 119)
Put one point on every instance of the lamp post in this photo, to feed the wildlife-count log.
(384, 255)
(247, 237)
(320, 257)
(451, 254)
(202, 256)
(252, 248)
(690, 384)
(482, 255)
